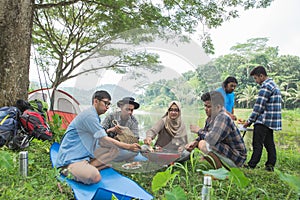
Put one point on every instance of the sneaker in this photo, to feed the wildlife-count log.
(269, 168)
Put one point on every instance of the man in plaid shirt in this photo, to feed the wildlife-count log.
(220, 140)
(266, 116)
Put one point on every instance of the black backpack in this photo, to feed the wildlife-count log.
(10, 133)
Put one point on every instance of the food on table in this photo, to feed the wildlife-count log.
(132, 165)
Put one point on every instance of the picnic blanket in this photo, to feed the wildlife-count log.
(112, 182)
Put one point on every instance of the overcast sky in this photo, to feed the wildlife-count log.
(279, 22)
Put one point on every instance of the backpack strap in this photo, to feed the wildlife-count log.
(3, 120)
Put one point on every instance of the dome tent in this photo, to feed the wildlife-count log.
(64, 104)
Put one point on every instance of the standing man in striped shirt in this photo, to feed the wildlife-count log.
(266, 116)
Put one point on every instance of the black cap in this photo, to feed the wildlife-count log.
(128, 100)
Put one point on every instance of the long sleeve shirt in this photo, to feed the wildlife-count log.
(225, 138)
(267, 108)
(207, 127)
(164, 139)
(81, 138)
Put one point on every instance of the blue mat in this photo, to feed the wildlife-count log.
(112, 182)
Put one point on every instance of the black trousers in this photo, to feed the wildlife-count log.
(262, 136)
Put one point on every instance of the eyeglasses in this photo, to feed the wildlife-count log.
(128, 109)
(106, 103)
(173, 110)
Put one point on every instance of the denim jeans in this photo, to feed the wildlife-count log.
(262, 136)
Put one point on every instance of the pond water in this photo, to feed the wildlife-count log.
(148, 119)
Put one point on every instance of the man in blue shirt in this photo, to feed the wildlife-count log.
(85, 147)
(227, 90)
(266, 116)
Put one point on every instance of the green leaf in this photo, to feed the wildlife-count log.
(239, 177)
(221, 173)
(176, 194)
(161, 179)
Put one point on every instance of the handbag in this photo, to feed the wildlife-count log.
(126, 134)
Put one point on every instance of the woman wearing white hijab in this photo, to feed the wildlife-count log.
(170, 130)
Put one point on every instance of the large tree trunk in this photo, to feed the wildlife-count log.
(15, 41)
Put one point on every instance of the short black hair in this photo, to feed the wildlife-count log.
(258, 71)
(215, 97)
(230, 79)
(205, 96)
(101, 94)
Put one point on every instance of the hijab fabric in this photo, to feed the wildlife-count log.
(175, 127)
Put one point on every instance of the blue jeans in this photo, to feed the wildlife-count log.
(262, 136)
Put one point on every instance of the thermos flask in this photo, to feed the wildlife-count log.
(23, 162)
(205, 193)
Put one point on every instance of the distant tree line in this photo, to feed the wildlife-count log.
(283, 69)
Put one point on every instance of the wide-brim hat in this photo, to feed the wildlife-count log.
(128, 100)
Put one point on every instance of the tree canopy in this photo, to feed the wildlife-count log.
(68, 33)
(65, 33)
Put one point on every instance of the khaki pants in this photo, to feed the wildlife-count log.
(84, 172)
(88, 173)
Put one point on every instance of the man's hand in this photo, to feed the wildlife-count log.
(190, 146)
(246, 124)
(134, 147)
(148, 141)
(180, 149)
(118, 130)
(194, 128)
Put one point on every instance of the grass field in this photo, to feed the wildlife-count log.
(282, 184)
